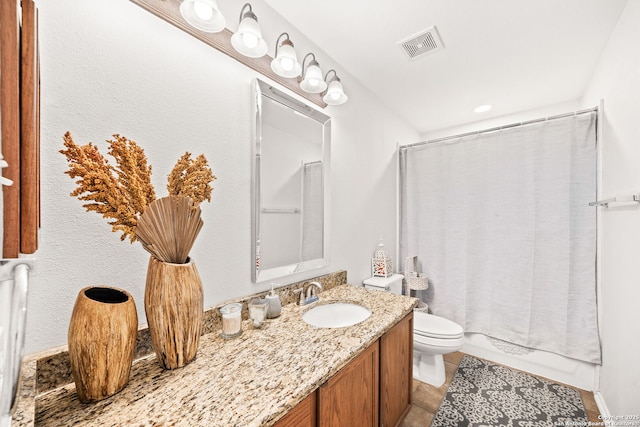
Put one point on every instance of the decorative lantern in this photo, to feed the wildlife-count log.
(381, 265)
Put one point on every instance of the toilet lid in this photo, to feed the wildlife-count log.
(430, 325)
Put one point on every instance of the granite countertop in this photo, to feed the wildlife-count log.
(252, 380)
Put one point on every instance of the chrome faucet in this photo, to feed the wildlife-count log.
(309, 293)
(311, 289)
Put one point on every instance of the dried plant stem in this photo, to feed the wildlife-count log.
(124, 195)
(169, 227)
(119, 194)
(191, 178)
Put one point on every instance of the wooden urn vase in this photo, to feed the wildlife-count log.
(102, 341)
(173, 303)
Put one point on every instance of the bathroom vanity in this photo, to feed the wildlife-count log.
(373, 389)
(288, 373)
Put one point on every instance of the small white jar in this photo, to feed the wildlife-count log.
(231, 320)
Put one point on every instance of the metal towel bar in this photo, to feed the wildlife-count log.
(634, 198)
(281, 210)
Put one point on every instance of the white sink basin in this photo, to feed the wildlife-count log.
(336, 315)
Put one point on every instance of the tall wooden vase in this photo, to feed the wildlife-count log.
(174, 306)
(102, 341)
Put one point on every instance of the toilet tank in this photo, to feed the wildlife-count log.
(392, 283)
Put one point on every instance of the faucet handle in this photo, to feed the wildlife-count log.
(300, 291)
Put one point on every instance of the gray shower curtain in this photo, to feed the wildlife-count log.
(502, 227)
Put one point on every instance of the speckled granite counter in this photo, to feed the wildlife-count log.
(252, 380)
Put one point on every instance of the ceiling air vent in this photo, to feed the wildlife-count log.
(427, 41)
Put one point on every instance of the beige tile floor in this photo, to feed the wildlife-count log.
(427, 398)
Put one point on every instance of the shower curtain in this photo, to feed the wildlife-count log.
(502, 227)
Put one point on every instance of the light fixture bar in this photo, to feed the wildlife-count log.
(169, 10)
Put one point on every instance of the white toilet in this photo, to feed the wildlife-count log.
(433, 335)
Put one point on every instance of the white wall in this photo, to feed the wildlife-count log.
(617, 82)
(111, 67)
(493, 122)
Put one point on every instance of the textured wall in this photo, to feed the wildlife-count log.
(617, 82)
(111, 67)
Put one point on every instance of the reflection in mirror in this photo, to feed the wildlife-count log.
(290, 185)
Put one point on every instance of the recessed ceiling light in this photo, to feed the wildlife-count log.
(482, 108)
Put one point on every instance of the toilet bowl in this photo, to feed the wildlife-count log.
(433, 336)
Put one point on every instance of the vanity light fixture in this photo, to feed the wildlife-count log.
(203, 20)
(248, 39)
(285, 63)
(335, 92)
(203, 15)
(312, 80)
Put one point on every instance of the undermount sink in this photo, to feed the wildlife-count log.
(336, 315)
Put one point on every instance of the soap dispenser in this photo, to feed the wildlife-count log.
(275, 307)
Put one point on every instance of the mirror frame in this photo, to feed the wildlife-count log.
(260, 90)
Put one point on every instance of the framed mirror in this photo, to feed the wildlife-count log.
(290, 173)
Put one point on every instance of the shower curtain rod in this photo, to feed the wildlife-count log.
(513, 125)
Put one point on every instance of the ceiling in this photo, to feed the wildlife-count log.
(516, 55)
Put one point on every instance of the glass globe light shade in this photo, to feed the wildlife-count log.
(335, 93)
(313, 81)
(286, 64)
(248, 39)
(203, 15)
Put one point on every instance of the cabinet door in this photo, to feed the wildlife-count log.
(396, 372)
(303, 415)
(350, 398)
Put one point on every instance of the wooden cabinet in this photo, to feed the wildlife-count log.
(350, 398)
(373, 390)
(396, 372)
(303, 415)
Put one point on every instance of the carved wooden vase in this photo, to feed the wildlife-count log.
(173, 303)
(102, 341)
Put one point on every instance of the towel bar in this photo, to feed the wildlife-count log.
(634, 198)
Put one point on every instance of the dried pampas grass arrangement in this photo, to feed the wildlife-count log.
(166, 227)
(169, 227)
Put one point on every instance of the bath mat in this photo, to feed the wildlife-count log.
(483, 394)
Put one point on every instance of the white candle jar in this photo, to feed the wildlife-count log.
(231, 320)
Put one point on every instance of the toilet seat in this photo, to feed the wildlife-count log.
(432, 326)
(436, 345)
